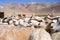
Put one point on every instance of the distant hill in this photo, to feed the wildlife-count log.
(39, 8)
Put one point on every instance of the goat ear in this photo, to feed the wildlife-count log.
(40, 21)
(38, 24)
(52, 22)
(46, 22)
(31, 16)
(58, 19)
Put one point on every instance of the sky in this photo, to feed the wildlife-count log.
(3, 2)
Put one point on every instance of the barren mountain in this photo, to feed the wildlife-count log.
(39, 8)
(16, 7)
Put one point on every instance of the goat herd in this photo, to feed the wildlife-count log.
(43, 28)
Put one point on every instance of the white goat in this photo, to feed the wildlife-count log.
(40, 34)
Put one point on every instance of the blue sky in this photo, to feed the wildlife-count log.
(2, 2)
